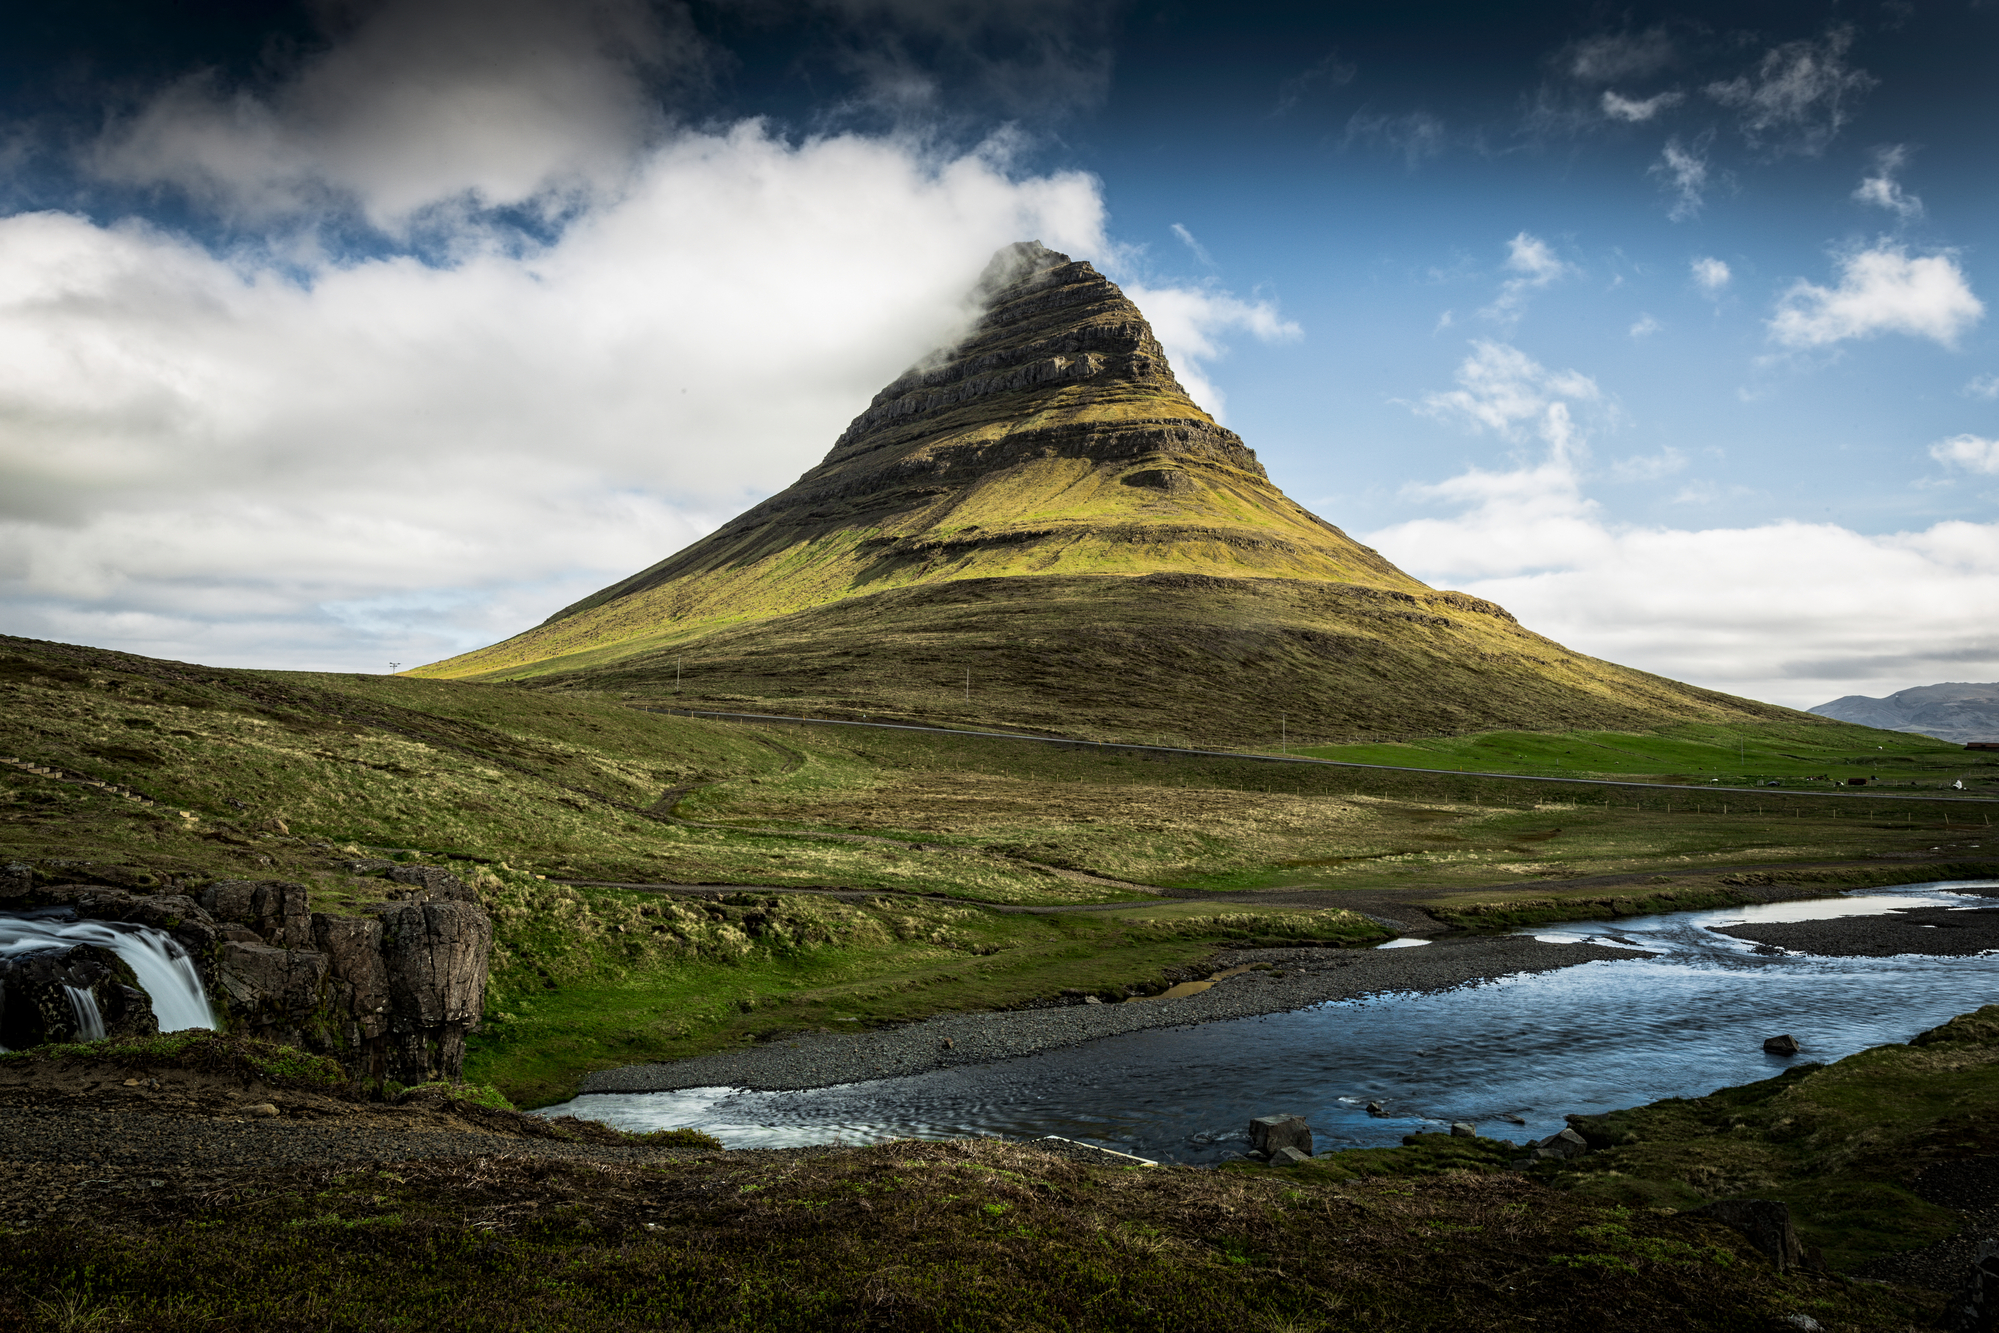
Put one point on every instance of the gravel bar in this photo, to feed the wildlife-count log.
(1297, 979)
(1942, 932)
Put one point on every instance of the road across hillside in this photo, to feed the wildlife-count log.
(1303, 759)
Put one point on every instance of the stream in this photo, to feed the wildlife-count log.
(1512, 1056)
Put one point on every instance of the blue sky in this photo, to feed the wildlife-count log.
(346, 334)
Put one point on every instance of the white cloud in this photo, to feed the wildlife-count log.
(1535, 266)
(1794, 613)
(1608, 57)
(1882, 189)
(1799, 95)
(1649, 467)
(207, 458)
(1502, 389)
(1187, 239)
(1881, 290)
(1983, 386)
(1711, 275)
(1683, 169)
(1415, 134)
(1645, 327)
(1969, 452)
(1190, 323)
(1637, 110)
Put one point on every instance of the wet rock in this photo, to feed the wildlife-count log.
(1564, 1145)
(1376, 1108)
(74, 994)
(1269, 1133)
(1462, 1129)
(1767, 1224)
(1785, 1045)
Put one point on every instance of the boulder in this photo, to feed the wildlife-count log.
(1288, 1156)
(1269, 1133)
(1784, 1045)
(1566, 1144)
(1462, 1129)
(1767, 1224)
(1976, 1307)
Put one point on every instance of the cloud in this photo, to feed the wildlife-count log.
(1187, 239)
(423, 103)
(1683, 168)
(1608, 57)
(208, 457)
(1190, 323)
(1645, 327)
(1502, 389)
(1983, 386)
(1535, 266)
(1881, 290)
(1799, 95)
(1649, 467)
(1969, 452)
(1882, 189)
(1794, 613)
(1330, 72)
(1416, 134)
(1711, 275)
(1635, 110)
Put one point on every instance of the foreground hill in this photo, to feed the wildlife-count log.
(1953, 711)
(1043, 530)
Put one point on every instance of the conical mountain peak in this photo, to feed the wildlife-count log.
(1049, 469)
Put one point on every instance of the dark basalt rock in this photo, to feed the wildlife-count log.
(36, 1006)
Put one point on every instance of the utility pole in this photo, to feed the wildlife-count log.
(1283, 733)
(394, 667)
(676, 674)
(968, 687)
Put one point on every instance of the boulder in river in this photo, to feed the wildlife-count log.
(1784, 1045)
(1268, 1133)
(1463, 1129)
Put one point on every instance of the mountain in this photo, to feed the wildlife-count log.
(1953, 711)
(1039, 528)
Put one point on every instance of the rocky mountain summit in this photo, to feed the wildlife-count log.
(1043, 518)
(1952, 711)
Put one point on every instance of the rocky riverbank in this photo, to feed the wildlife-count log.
(1941, 932)
(1270, 981)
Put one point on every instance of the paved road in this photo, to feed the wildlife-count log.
(1303, 759)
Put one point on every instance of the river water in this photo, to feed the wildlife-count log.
(1687, 1019)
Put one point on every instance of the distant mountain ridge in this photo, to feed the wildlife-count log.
(1039, 528)
(1952, 711)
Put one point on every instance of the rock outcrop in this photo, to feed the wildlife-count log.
(390, 992)
(73, 994)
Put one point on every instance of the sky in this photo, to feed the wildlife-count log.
(352, 333)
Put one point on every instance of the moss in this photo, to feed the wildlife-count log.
(199, 1050)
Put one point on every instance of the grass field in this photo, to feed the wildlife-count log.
(294, 775)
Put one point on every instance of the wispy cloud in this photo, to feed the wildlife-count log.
(1799, 95)
(1645, 327)
(1187, 239)
(1328, 73)
(1192, 324)
(1502, 389)
(1683, 170)
(1711, 275)
(1535, 266)
(1983, 386)
(1416, 135)
(1882, 290)
(1609, 57)
(1882, 190)
(1970, 452)
(1637, 110)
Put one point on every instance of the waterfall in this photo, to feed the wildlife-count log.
(89, 1022)
(163, 969)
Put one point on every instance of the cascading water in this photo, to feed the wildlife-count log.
(89, 1022)
(162, 967)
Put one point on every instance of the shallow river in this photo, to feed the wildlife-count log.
(1686, 1020)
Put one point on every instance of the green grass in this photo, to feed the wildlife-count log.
(1796, 756)
(1841, 1143)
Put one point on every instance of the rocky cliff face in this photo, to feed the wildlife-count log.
(391, 993)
